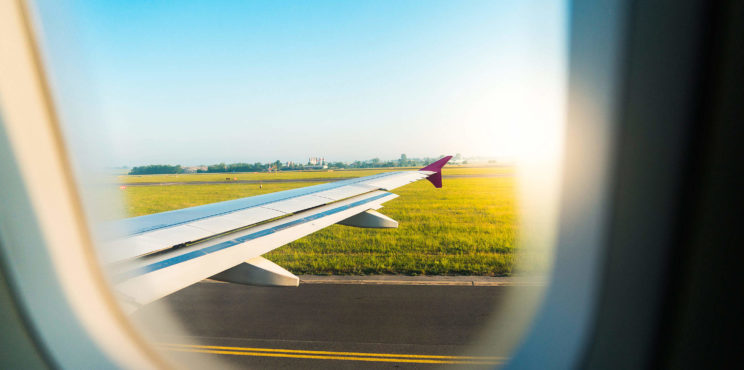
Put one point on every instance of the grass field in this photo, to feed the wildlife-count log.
(468, 227)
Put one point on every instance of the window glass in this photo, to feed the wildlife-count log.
(169, 105)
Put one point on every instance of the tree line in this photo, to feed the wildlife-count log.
(156, 169)
(403, 161)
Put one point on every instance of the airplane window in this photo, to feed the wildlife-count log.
(316, 184)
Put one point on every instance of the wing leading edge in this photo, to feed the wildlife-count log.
(158, 254)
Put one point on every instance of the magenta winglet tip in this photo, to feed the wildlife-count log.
(436, 167)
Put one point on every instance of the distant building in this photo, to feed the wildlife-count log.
(317, 162)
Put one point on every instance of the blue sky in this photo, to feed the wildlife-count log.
(228, 81)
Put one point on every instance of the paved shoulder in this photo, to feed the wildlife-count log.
(424, 280)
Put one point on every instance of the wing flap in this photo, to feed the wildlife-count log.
(292, 205)
(236, 220)
(345, 191)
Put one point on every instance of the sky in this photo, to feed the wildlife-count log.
(202, 82)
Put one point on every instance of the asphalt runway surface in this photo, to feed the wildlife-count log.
(329, 326)
(270, 181)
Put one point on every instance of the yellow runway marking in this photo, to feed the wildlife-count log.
(333, 355)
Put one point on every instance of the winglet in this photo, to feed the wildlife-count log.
(436, 177)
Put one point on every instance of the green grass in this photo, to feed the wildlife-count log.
(468, 227)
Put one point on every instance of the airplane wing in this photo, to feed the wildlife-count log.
(156, 255)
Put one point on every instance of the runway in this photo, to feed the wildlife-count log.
(326, 326)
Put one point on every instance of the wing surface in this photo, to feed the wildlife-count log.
(155, 255)
(153, 233)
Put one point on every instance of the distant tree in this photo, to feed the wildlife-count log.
(403, 161)
(156, 169)
(217, 168)
(243, 167)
